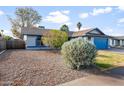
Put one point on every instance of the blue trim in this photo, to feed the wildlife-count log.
(35, 46)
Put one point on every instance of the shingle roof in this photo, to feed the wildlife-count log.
(39, 31)
(33, 31)
(81, 33)
(84, 32)
(118, 37)
(70, 33)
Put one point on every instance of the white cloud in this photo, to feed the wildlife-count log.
(1, 12)
(8, 32)
(83, 15)
(58, 17)
(101, 11)
(121, 8)
(82, 28)
(112, 32)
(121, 20)
(96, 12)
(68, 23)
(108, 31)
(66, 11)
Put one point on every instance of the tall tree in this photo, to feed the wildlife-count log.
(64, 28)
(79, 25)
(25, 17)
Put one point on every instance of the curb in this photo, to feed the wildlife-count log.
(2, 52)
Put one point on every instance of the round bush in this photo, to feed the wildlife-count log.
(78, 53)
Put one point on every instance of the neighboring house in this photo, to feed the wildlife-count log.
(33, 36)
(116, 41)
(95, 36)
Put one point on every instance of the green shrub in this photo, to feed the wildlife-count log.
(55, 38)
(78, 53)
(7, 37)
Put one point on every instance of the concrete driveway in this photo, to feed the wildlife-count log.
(113, 77)
(96, 80)
(116, 50)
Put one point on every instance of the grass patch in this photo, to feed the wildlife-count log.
(107, 59)
(103, 65)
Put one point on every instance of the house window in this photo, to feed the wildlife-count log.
(89, 38)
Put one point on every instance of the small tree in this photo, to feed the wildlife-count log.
(79, 25)
(7, 37)
(55, 38)
(64, 28)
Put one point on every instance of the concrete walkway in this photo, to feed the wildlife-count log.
(95, 80)
(112, 77)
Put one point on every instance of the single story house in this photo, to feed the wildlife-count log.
(116, 41)
(32, 36)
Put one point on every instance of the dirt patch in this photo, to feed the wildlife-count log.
(26, 67)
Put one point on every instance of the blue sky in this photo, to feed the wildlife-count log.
(109, 19)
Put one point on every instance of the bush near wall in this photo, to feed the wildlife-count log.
(78, 53)
(55, 38)
(15, 44)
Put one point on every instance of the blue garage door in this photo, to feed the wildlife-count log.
(101, 43)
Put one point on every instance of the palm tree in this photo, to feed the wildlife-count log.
(2, 32)
(79, 25)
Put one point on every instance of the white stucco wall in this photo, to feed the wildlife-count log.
(110, 42)
(25, 37)
(91, 41)
(122, 42)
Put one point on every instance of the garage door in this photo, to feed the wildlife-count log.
(101, 43)
(31, 41)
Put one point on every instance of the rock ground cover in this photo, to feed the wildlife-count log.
(28, 67)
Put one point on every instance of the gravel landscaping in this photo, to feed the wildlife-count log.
(28, 67)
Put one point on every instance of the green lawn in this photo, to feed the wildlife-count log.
(107, 59)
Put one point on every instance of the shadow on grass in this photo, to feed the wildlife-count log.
(104, 56)
(104, 65)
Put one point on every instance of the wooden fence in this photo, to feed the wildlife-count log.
(15, 44)
(2, 44)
